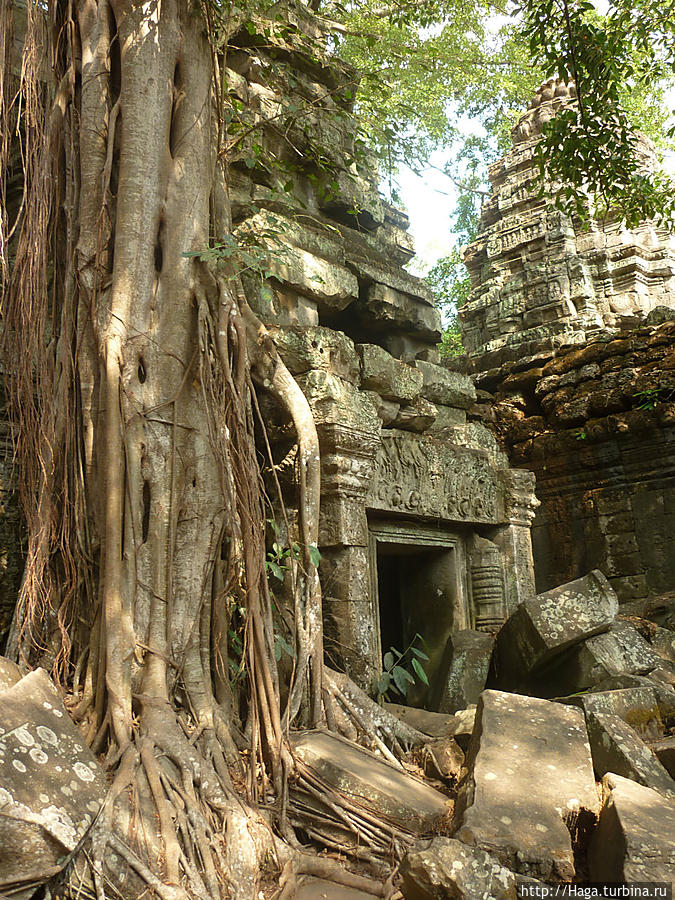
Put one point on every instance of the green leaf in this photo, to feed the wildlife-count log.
(421, 674)
(420, 654)
(388, 660)
(400, 680)
(384, 683)
(314, 555)
(276, 570)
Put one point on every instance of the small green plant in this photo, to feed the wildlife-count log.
(581, 435)
(279, 557)
(396, 675)
(277, 564)
(648, 398)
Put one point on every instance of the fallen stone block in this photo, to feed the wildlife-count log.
(463, 670)
(371, 782)
(616, 747)
(431, 723)
(637, 706)
(443, 758)
(51, 786)
(619, 651)
(664, 673)
(664, 692)
(622, 651)
(664, 751)
(635, 837)
(529, 780)
(542, 628)
(10, 673)
(663, 643)
(461, 726)
(443, 868)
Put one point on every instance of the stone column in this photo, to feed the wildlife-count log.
(350, 621)
(487, 585)
(514, 538)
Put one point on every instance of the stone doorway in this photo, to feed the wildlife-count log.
(419, 585)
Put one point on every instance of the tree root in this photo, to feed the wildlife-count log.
(320, 867)
(391, 736)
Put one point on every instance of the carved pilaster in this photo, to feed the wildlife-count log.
(515, 539)
(487, 585)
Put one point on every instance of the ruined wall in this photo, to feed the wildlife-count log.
(596, 425)
(569, 332)
(422, 519)
(539, 278)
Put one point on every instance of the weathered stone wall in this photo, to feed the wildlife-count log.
(541, 279)
(596, 425)
(573, 370)
(405, 475)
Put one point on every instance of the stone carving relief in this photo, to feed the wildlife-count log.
(427, 477)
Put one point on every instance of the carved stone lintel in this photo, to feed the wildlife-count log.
(424, 476)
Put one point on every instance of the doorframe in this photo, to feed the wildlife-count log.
(415, 534)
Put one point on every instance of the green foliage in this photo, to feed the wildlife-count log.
(279, 558)
(591, 149)
(450, 283)
(249, 251)
(448, 278)
(650, 397)
(396, 670)
(451, 344)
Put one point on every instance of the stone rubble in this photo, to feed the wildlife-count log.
(664, 750)
(431, 723)
(635, 837)
(10, 673)
(444, 758)
(617, 748)
(368, 781)
(638, 707)
(461, 726)
(51, 785)
(619, 652)
(529, 775)
(541, 629)
(463, 670)
(443, 868)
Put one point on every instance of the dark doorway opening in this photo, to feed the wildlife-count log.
(417, 594)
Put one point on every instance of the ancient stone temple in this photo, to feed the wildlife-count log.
(540, 279)
(424, 526)
(569, 335)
